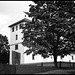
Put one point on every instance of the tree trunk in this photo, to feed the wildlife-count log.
(55, 61)
(55, 57)
(55, 49)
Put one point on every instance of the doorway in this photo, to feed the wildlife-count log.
(15, 57)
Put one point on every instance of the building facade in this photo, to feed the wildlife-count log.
(17, 55)
(16, 48)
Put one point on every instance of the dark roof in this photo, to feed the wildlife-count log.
(23, 20)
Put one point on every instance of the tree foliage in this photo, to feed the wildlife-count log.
(52, 29)
(4, 49)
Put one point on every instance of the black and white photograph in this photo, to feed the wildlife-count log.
(37, 37)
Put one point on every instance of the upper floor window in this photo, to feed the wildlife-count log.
(20, 26)
(72, 58)
(16, 47)
(16, 37)
(16, 27)
(12, 29)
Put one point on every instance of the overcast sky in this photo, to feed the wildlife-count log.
(11, 12)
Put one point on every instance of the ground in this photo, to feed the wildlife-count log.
(38, 68)
(59, 71)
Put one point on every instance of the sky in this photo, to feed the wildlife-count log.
(11, 12)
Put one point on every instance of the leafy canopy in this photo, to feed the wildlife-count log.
(4, 49)
(52, 29)
(4, 44)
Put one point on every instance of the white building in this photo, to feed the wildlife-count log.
(17, 55)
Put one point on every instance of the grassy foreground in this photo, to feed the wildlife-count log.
(59, 71)
(46, 68)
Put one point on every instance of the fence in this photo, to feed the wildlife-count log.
(23, 69)
(33, 68)
(7, 69)
(68, 65)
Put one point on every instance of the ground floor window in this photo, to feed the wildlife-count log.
(16, 47)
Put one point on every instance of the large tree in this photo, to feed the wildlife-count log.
(4, 49)
(52, 29)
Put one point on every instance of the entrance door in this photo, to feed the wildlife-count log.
(15, 57)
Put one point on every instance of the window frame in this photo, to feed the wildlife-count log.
(16, 37)
(12, 29)
(16, 27)
(16, 47)
(20, 26)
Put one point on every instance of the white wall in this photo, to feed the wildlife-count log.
(37, 58)
(13, 42)
(13, 35)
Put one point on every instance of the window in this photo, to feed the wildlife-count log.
(72, 58)
(20, 26)
(16, 28)
(12, 29)
(16, 37)
(16, 47)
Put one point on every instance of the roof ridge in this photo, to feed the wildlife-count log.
(24, 19)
